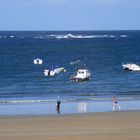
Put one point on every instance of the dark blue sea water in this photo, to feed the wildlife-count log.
(102, 52)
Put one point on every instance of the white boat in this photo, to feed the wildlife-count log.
(82, 75)
(54, 72)
(131, 67)
(38, 61)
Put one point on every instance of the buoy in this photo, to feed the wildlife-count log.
(38, 61)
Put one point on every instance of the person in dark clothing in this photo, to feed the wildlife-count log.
(58, 106)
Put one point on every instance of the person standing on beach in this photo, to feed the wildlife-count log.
(115, 103)
(58, 105)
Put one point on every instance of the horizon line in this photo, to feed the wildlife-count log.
(66, 30)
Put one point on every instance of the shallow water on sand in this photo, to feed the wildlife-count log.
(65, 108)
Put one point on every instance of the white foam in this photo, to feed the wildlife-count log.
(12, 36)
(23, 101)
(38, 37)
(67, 36)
(123, 36)
(64, 100)
(111, 36)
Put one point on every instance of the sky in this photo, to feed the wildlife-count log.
(69, 14)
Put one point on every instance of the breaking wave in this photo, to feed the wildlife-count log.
(65, 100)
(64, 36)
(67, 36)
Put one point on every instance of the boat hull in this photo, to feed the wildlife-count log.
(75, 79)
(131, 67)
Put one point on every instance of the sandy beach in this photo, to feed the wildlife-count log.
(97, 126)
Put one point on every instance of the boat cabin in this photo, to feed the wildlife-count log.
(82, 75)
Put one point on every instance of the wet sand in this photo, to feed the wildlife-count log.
(94, 126)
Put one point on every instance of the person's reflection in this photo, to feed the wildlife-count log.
(82, 107)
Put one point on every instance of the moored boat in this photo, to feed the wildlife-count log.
(38, 61)
(54, 72)
(131, 67)
(82, 75)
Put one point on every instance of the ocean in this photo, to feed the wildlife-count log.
(102, 52)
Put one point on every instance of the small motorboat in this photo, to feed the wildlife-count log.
(38, 61)
(131, 67)
(54, 72)
(82, 75)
